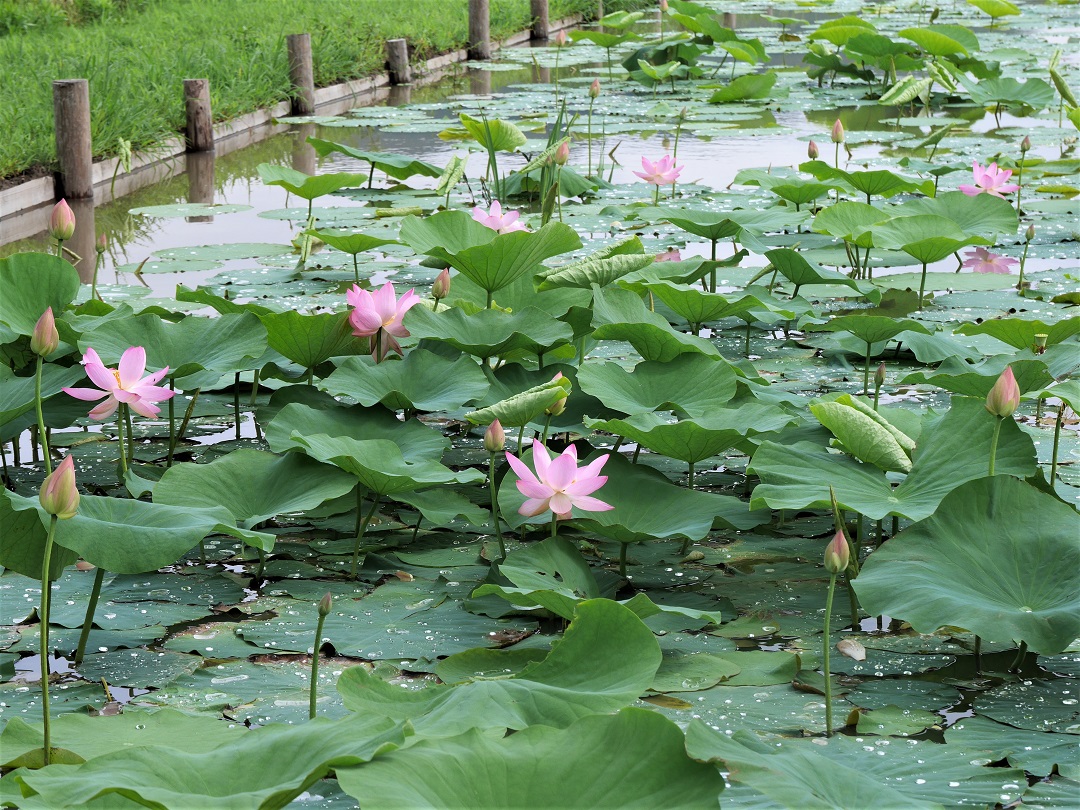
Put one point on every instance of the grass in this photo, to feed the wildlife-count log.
(137, 56)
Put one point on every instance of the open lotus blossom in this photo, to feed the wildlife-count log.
(123, 385)
(669, 255)
(990, 180)
(663, 172)
(558, 485)
(981, 260)
(495, 219)
(379, 316)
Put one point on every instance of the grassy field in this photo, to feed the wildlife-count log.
(137, 53)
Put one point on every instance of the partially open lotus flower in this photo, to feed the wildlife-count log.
(495, 219)
(989, 180)
(663, 172)
(981, 260)
(379, 316)
(123, 385)
(558, 485)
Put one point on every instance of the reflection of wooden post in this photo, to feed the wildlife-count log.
(539, 11)
(397, 61)
(200, 172)
(199, 134)
(479, 29)
(303, 153)
(71, 110)
(480, 82)
(82, 241)
(301, 73)
(399, 96)
(731, 20)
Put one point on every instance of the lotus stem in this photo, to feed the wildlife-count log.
(88, 620)
(1021, 654)
(236, 403)
(46, 592)
(120, 438)
(1057, 442)
(172, 424)
(866, 374)
(360, 535)
(495, 506)
(978, 655)
(922, 285)
(622, 558)
(547, 424)
(313, 694)
(690, 476)
(588, 135)
(93, 281)
(187, 416)
(554, 525)
(42, 434)
(994, 444)
(1023, 259)
(825, 645)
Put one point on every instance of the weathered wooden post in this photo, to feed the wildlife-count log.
(479, 29)
(301, 73)
(71, 111)
(397, 61)
(199, 133)
(541, 26)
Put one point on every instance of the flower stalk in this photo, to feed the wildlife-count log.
(324, 608)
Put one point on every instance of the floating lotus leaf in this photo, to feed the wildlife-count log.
(970, 565)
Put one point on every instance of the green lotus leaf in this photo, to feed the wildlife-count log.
(622, 657)
(490, 332)
(253, 485)
(801, 272)
(23, 549)
(959, 377)
(840, 30)
(873, 328)
(953, 448)
(1020, 332)
(225, 344)
(620, 19)
(862, 436)
(700, 307)
(850, 221)
(591, 270)
(17, 393)
(493, 134)
(306, 186)
(1007, 91)
(983, 215)
(267, 767)
(423, 381)
(939, 40)
(352, 243)
(874, 183)
(453, 231)
(602, 38)
(1037, 752)
(694, 440)
(750, 86)
(522, 408)
(312, 339)
(691, 384)
(971, 565)
(995, 8)
(30, 283)
(927, 238)
(400, 167)
(622, 315)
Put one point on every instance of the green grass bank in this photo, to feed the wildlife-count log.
(136, 55)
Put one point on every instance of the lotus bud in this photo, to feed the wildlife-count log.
(1040, 344)
(837, 555)
(837, 134)
(59, 496)
(441, 287)
(101, 244)
(495, 437)
(562, 154)
(594, 89)
(45, 338)
(62, 222)
(663, 6)
(1029, 234)
(879, 376)
(1004, 397)
(560, 405)
(1025, 144)
(561, 39)
(326, 603)
(812, 151)
(934, 15)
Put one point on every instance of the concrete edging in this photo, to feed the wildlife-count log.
(25, 208)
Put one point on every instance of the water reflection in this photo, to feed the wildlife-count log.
(303, 153)
(82, 241)
(200, 174)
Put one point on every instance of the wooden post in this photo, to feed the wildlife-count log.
(479, 29)
(301, 74)
(199, 134)
(397, 61)
(541, 26)
(71, 111)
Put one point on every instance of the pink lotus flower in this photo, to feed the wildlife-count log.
(990, 180)
(1004, 397)
(123, 385)
(558, 485)
(981, 260)
(663, 172)
(495, 219)
(62, 221)
(379, 316)
(58, 495)
(669, 255)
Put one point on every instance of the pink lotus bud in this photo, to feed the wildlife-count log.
(101, 244)
(62, 221)
(441, 287)
(1004, 397)
(326, 603)
(812, 151)
(594, 89)
(562, 154)
(663, 6)
(1025, 144)
(879, 376)
(837, 134)
(561, 39)
(45, 338)
(560, 405)
(495, 437)
(837, 555)
(59, 495)
(1029, 234)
